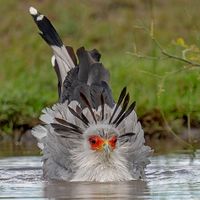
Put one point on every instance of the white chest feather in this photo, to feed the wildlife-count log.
(98, 167)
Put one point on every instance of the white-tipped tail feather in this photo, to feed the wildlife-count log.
(61, 60)
(33, 11)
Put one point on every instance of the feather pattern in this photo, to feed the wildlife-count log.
(64, 62)
(59, 127)
(124, 106)
(85, 121)
(102, 106)
(87, 109)
(65, 123)
(120, 99)
(62, 138)
(85, 100)
(129, 110)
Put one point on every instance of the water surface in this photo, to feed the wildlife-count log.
(174, 176)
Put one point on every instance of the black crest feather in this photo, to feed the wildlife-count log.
(59, 127)
(78, 116)
(79, 111)
(129, 134)
(120, 99)
(126, 114)
(68, 124)
(124, 106)
(102, 106)
(85, 100)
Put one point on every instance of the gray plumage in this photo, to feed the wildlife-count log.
(88, 75)
(87, 136)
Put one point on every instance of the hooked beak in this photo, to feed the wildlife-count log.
(106, 147)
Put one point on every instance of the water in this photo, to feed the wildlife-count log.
(174, 176)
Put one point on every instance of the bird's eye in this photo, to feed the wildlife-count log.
(92, 141)
(95, 142)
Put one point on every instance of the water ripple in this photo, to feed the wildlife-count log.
(174, 176)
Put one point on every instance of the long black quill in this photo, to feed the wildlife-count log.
(102, 106)
(68, 124)
(85, 100)
(120, 99)
(124, 106)
(78, 116)
(126, 114)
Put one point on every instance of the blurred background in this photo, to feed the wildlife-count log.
(128, 33)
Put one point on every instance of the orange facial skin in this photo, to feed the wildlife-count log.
(112, 142)
(97, 142)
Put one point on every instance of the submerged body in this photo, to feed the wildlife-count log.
(87, 136)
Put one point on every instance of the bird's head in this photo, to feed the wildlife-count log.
(101, 138)
(99, 143)
(103, 130)
(93, 141)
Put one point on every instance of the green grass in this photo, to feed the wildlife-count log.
(28, 82)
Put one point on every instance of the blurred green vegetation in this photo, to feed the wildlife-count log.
(115, 27)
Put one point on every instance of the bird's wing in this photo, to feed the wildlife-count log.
(88, 76)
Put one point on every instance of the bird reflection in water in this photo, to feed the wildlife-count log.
(91, 190)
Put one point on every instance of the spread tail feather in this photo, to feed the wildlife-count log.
(64, 59)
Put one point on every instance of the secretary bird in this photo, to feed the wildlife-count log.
(86, 136)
